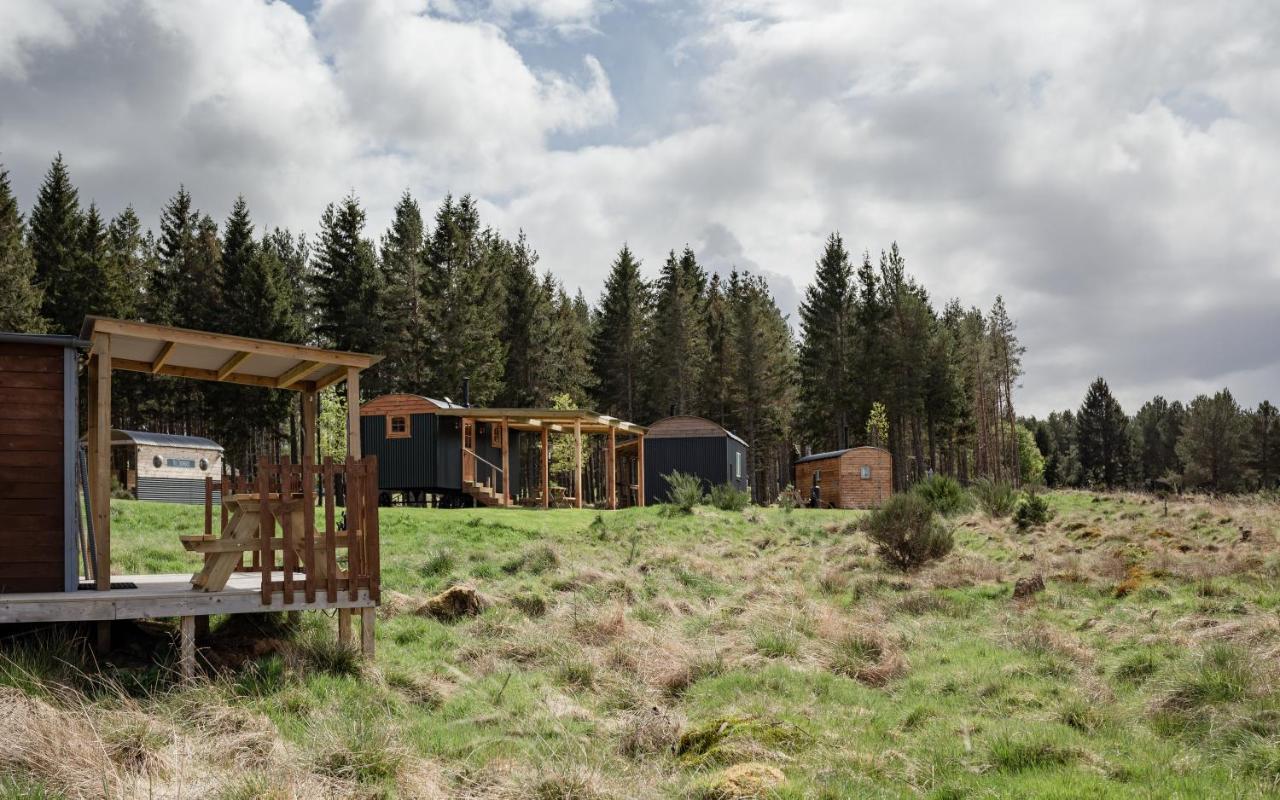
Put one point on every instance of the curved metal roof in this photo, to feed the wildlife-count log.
(655, 428)
(164, 439)
(834, 453)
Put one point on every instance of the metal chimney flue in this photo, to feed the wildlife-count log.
(466, 392)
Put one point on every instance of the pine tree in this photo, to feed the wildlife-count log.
(1266, 445)
(176, 256)
(20, 300)
(565, 367)
(403, 312)
(678, 350)
(618, 343)
(1102, 437)
(346, 281)
(92, 269)
(54, 241)
(1213, 445)
(826, 347)
(526, 328)
(715, 393)
(1155, 430)
(294, 256)
(131, 257)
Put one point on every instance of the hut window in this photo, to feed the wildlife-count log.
(495, 435)
(397, 427)
(866, 472)
(204, 465)
(182, 463)
(157, 462)
(737, 466)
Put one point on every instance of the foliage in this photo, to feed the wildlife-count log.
(827, 341)
(878, 425)
(905, 532)
(1212, 447)
(996, 498)
(1030, 459)
(944, 495)
(678, 346)
(19, 298)
(727, 497)
(1033, 509)
(788, 498)
(683, 491)
(1102, 440)
(618, 343)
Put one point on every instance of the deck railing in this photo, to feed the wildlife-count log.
(342, 551)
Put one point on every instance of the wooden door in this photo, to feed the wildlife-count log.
(468, 450)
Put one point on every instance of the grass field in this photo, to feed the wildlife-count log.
(764, 653)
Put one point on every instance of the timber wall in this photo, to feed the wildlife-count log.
(840, 478)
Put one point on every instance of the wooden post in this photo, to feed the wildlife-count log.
(506, 460)
(353, 412)
(640, 471)
(546, 468)
(611, 468)
(577, 462)
(367, 618)
(187, 648)
(310, 437)
(344, 627)
(100, 469)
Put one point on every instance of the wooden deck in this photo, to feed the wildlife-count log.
(166, 596)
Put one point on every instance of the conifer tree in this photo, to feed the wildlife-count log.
(294, 256)
(678, 350)
(1102, 437)
(131, 257)
(526, 329)
(176, 252)
(91, 274)
(1155, 430)
(54, 241)
(1213, 445)
(565, 366)
(1265, 424)
(715, 395)
(403, 312)
(826, 347)
(621, 332)
(20, 300)
(346, 280)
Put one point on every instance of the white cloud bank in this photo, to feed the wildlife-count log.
(1112, 168)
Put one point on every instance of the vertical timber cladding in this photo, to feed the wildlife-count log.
(38, 437)
(416, 449)
(694, 446)
(860, 477)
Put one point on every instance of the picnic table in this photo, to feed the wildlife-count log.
(223, 554)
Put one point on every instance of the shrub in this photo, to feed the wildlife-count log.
(905, 532)
(944, 495)
(1033, 510)
(728, 497)
(683, 491)
(788, 499)
(995, 498)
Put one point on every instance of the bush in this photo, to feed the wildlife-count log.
(905, 532)
(996, 498)
(683, 491)
(789, 499)
(944, 495)
(1033, 510)
(728, 497)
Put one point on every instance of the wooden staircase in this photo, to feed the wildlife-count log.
(485, 495)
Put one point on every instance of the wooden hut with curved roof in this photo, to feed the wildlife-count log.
(857, 477)
(694, 446)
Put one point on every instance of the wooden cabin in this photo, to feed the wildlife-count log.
(859, 477)
(164, 467)
(435, 452)
(694, 446)
(38, 423)
(261, 550)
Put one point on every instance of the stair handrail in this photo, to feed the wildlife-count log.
(483, 460)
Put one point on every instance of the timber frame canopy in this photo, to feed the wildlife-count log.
(553, 419)
(183, 353)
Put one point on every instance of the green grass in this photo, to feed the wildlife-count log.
(638, 653)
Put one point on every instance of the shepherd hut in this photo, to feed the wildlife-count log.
(694, 446)
(858, 477)
(164, 466)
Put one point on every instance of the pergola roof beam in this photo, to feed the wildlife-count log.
(229, 366)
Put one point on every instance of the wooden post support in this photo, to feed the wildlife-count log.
(367, 623)
(506, 460)
(309, 433)
(344, 627)
(101, 467)
(187, 648)
(353, 412)
(546, 468)
(640, 471)
(611, 468)
(577, 462)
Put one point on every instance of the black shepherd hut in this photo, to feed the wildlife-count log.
(694, 446)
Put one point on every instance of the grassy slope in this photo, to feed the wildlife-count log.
(782, 632)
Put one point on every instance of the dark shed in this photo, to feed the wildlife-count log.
(695, 446)
(38, 439)
(419, 452)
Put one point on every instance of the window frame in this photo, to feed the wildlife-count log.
(864, 472)
(392, 433)
(495, 435)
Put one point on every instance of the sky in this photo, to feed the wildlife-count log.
(1111, 168)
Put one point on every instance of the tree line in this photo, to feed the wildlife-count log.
(1209, 444)
(445, 297)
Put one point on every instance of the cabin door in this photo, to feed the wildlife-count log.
(468, 450)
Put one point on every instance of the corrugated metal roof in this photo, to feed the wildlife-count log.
(166, 439)
(834, 453)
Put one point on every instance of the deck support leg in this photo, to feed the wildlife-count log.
(344, 627)
(187, 648)
(367, 617)
(103, 643)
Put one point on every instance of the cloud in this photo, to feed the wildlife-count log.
(1109, 168)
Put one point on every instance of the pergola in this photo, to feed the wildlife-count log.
(200, 355)
(564, 421)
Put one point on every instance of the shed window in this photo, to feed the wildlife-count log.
(204, 465)
(866, 472)
(397, 427)
(495, 435)
(737, 466)
(157, 462)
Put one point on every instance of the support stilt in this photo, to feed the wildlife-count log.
(367, 622)
(344, 627)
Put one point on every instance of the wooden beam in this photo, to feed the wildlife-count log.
(101, 468)
(353, 412)
(310, 436)
(546, 469)
(158, 362)
(187, 648)
(329, 379)
(577, 463)
(229, 366)
(611, 469)
(91, 438)
(506, 459)
(297, 373)
(367, 617)
(640, 471)
(196, 373)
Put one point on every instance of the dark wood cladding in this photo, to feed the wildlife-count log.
(32, 487)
